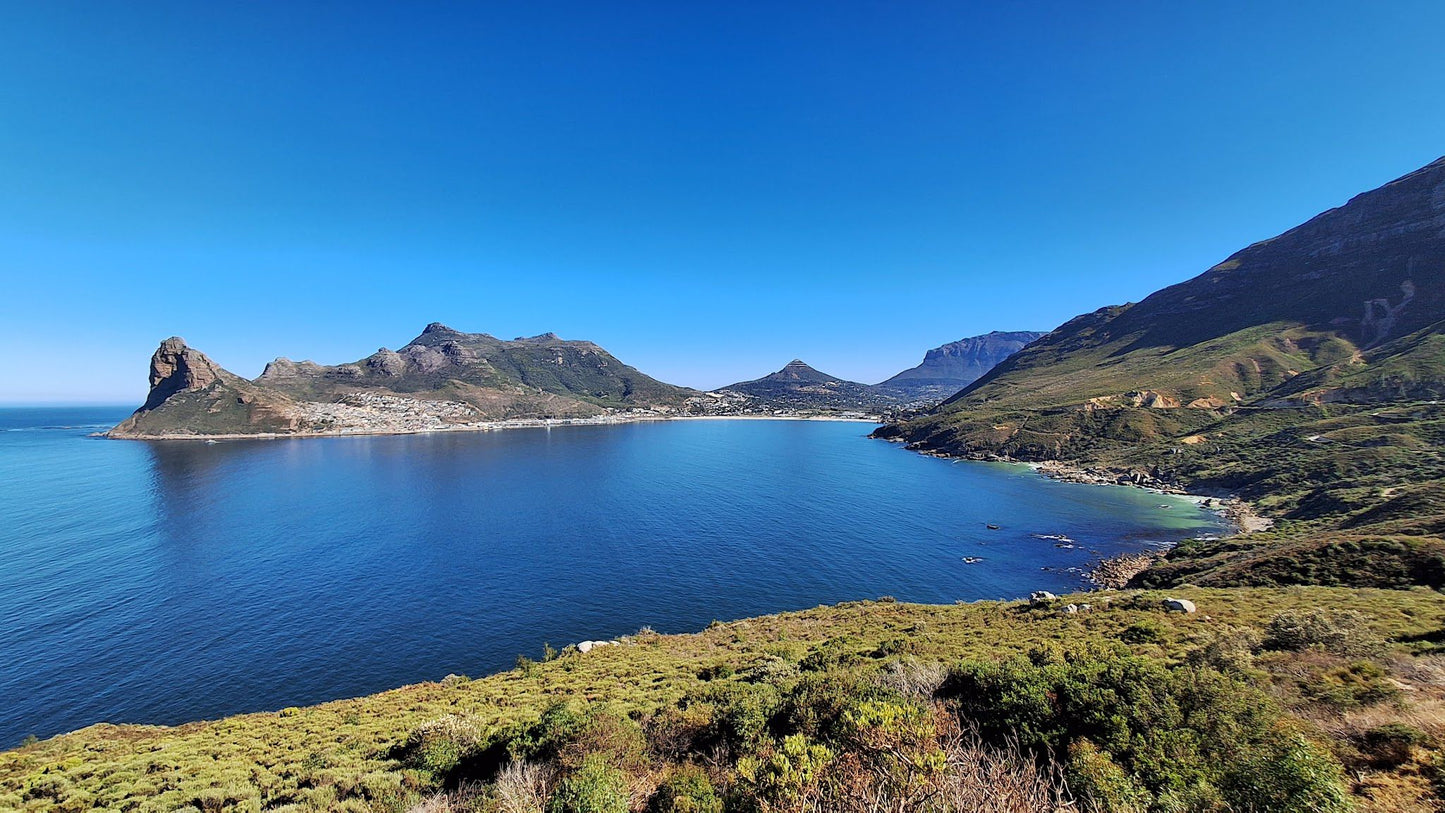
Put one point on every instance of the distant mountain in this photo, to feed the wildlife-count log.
(946, 370)
(441, 378)
(799, 386)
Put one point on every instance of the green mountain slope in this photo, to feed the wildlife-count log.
(1350, 279)
(799, 386)
(443, 360)
(1299, 373)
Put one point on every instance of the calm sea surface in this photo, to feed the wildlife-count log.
(171, 581)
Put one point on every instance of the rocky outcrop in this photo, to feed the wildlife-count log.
(283, 368)
(192, 395)
(178, 368)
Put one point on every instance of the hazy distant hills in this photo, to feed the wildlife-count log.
(946, 370)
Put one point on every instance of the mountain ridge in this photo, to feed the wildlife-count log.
(1304, 372)
(442, 378)
(1349, 279)
(950, 367)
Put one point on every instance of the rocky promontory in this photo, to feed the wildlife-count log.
(443, 379)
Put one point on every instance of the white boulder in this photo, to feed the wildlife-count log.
(1178, 605)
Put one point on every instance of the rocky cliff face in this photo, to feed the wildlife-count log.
(177, 368)
(948, 369)
(192, 395)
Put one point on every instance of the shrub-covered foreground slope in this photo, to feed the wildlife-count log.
(1304, 373)
(1291, 699)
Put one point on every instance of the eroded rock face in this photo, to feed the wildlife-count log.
(177, 368)
(284, 368)
(387, 362)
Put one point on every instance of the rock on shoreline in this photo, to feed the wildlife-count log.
(1115, 572)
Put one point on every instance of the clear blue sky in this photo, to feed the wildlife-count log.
(707, 190)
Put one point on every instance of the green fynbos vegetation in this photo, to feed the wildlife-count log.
(987, 704)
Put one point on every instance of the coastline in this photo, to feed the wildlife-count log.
(1115, 572)
(481, 426)
(1109, 573)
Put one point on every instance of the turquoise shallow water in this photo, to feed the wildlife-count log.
(168, 581)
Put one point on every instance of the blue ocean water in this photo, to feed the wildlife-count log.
(160, 582)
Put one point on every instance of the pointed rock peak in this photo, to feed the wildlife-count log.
(178, 368)
(540, 337)
(436, 334)
(799, 370)
(174, 344)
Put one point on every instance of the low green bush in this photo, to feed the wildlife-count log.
(1291, 775)
(567, 736)
(437, 746)
(1389, 745)
(1341, 632)
(1350, 685)
(686, 790)
(1172, 732)
(782, 778)
(595, 787)
(739, 712)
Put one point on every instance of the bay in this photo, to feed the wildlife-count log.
(160, 582)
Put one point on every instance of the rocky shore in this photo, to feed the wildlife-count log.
(1116, 571)
(371, 414)
(1240, 514)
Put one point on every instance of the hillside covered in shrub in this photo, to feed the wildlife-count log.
(1297, 699)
